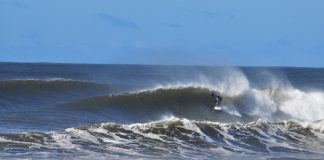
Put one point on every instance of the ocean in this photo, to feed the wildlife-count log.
(88, 111)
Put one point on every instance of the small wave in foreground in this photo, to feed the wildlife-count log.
(172, 138)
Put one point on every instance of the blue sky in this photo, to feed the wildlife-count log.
(186, 32)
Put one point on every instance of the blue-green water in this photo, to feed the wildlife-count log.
(72, 111)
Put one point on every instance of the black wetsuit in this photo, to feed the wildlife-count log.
(218, 99)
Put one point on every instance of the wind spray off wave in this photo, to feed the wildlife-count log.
(144, 112)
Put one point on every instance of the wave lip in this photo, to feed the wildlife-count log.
(172, 138)
(191, 103)
(196, 103)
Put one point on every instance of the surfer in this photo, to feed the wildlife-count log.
(218, 100)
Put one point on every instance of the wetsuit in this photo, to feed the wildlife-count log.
(218, 99)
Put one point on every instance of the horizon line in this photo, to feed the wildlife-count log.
(180, 65)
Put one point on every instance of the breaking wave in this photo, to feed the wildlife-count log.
(273, 104)
(271, 119)
(191, 103)
(174, 138)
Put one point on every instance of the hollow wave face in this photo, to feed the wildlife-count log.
(172, 119)
(192, 100)
(276, 99)
(191, 103)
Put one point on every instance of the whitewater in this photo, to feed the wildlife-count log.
(70, 111)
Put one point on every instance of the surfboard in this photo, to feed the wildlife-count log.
(218, 108)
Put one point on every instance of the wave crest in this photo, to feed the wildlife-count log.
(173, 138)
(196, 103)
